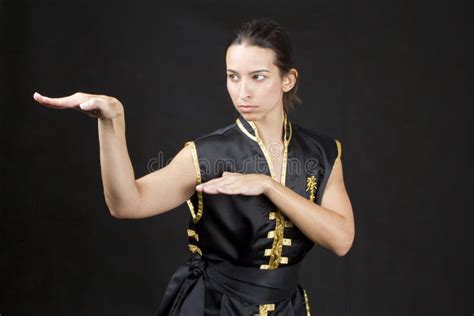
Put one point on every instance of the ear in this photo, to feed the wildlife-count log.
(289, 80)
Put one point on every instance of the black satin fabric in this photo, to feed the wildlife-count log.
(237, 290)
(237, 229)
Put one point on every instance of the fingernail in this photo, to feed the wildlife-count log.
(84, 105)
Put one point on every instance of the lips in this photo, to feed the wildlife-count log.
(247, 108)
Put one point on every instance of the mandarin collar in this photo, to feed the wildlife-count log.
(250, 129)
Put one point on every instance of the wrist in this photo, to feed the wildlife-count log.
(268, 184)
(115, 119)
(113, 112)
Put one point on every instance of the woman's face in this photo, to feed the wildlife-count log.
(253, 79)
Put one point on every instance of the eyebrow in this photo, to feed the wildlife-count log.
(260, 70)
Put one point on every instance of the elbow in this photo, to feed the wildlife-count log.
(343, 248)
(113, 211)
(118, 209)
(115, 214)
(342, 251)
(126, 212)
(345, 241)
(124, 206)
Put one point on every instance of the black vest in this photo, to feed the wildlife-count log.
(249, 230)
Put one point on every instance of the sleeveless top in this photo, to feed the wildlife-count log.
(248, 235)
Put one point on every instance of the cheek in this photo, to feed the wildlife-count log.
(272, 90)
(231, 88)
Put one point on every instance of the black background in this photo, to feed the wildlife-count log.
(391, 79)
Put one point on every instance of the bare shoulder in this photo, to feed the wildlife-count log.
(180, 173)
(170, 186)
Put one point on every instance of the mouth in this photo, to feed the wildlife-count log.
(247, 108)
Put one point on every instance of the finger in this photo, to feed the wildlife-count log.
(232, 185)
(91, 104)
(40, 99)
(214, 181)
(227, 190)
(228, 173)
(211, 190)
(92, 107)
(219, 182)
(63, 102)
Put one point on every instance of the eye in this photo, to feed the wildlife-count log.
(232, 77)
(260, 76)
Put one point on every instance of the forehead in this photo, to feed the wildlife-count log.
(245, 57)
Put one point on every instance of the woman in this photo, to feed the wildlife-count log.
(261, 191)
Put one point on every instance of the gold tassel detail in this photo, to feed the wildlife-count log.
(311, 186)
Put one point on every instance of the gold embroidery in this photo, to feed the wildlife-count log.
(339, 152)
(287, 138)
(195, 216)
(277, 246)
(306, 301)
(195, 249)
(265, 308)
(192, 233)
(264, 150)
(284, 260)
(278, 216)
(311, 186)
(286, 242)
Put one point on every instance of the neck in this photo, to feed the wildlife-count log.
(270, 128)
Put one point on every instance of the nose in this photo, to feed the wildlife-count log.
(244, 90)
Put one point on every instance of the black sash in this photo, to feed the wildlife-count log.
(185, 292)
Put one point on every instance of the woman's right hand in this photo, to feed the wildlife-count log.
(98, 106)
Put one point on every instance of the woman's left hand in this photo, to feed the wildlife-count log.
(236, 183)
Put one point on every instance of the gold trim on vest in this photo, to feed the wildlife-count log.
(339, 152)
(193, 234)
(195, 216)
(306, 303)
(275, 253)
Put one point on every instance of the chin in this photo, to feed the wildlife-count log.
(249, 116)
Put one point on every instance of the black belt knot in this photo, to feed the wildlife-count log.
(185, 294)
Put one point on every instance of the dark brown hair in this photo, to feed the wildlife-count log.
(266, 33)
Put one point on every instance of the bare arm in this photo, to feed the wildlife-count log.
(126, 197)
(168, 187)
(330, 224)
(153, 194)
